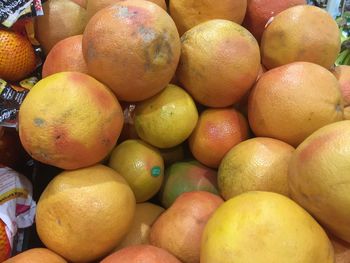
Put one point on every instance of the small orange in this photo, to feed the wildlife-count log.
(17, 57)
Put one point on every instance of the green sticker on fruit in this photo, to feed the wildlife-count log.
(155, 171)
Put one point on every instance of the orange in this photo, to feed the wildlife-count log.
(219, 62)
(36, 255)
(260, 11)
(301, 33)
(319, 175)
(66, 55)
(189, 13)
(264, 227)
(83, 214)
(62, 19)
(292, 101)
(141, 165)
(217, 131)
(141, 253)
(132, 46)
(17, 57)
(179, 229)
(342, 73)
(93, 6)
(69, 120)
(258, 164)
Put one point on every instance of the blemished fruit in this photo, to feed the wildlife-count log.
(36, 255)
(66, 55)
(264, 227)
(179, 229)
(62, 19)
(301, 33)
(141, 253)
(292, 101)
(217, 131)
(341, 250)
(342, 73)
(189, 13)
(83, 214)
(141, 165)
(17, 57)
(219, 63)
(260, 11)
(183, 177)
(69, 120)
(5, 246)
(166, 119)
(258, 164)
(93, 6)
(145, 215)
(318, 177)
(132, 46)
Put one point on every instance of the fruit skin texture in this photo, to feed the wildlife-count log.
(184, 177)
(17, 57)
(145, 215)
(136, 33)
(64, 18)
(260, 11)
(189, 13)
(136, 161)
(295, 35)
(292, 101)
(342, 73)
(167, 119)
(318, 177)
(217, 131)
(5, 246)
(219, 63)
(66, 55)
(258, 164)
(36, 255)
(263, 227)
(179, 229)
(69, 120)
(141, 253)
(83, 214)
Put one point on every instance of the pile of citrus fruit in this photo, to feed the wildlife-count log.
(187, 131)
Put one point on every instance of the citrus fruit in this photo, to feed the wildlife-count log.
(318, 177)
(5, 247)
(141, 165)
(264, 227)
(141, 253)
(301, 33)
(36, 255)
(66, 55)
(186, 176)
(260, 11)
(189, 13)
(133, 47)
(17, 57)
(69, 120)
(341, 250)
(255, 164)
(292, 101)
(217, 131)
(145, 215)
(179, 229)
(62, 19)
(220, 61)
(93, 6)
(166, 119)
(83, 214)
(342, 73)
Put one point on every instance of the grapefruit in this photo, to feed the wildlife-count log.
(36, 255)
(341, 250)
(83, 214)
(133, 47)
(219, 63)
(69, 120)
(318, 177)
(342, 73)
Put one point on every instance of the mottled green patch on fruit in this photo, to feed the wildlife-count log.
(39, 122)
